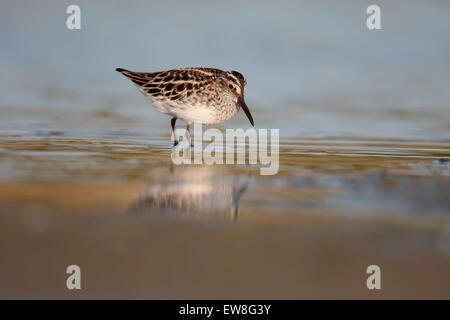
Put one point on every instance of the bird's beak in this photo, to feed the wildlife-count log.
(247, 112)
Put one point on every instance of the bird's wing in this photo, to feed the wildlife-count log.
(172, 84)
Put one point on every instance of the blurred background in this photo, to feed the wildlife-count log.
(317, 57)
(364, 119)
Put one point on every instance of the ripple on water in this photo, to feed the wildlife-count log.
(347, 176)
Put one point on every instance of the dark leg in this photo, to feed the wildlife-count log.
(188, 134)
(172, 122)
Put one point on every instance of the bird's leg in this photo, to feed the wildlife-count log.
(188, 134)
(172, 123)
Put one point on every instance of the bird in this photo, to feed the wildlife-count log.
(203, 95)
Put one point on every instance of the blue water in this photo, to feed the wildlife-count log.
(298, 57)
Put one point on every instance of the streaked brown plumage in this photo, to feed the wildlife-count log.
(205, 95)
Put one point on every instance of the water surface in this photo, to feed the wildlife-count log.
(86, 176)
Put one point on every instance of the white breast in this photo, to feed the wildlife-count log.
(190, 113)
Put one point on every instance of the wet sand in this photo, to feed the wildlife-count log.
(141, 227)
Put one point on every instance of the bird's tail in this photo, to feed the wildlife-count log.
(122, 70)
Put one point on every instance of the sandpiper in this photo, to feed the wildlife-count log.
(204, 95)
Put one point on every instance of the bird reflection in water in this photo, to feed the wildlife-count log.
(193, 191)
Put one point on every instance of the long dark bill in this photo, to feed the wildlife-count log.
(247, 112)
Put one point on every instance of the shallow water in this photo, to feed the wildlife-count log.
(86, 175)
(119, 208)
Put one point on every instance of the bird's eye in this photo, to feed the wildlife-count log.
(231, 86)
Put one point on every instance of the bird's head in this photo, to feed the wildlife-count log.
(234, 82)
